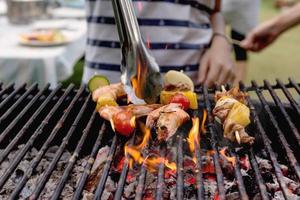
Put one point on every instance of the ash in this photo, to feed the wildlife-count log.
(38, 173)
(130, 189)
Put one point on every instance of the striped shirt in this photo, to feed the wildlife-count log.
(178, 31)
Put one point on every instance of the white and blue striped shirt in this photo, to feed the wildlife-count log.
(178, 31)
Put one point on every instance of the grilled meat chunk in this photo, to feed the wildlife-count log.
(231, 111)
(114, 91)
(167, 118)
(107, 112)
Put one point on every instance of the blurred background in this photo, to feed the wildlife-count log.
(280, 60)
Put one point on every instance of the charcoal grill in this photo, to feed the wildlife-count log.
(42, 118)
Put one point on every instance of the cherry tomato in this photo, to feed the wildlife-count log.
(182, 100)
(122, 123)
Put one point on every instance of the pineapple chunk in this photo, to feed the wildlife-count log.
(239, 114)
(166, 97)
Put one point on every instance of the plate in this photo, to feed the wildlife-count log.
(42, 44)
(36, 43)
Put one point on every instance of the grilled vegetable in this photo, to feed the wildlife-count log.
(105, 101)
(97, 81)
(166, 97)
(177, 78)
(123, 122)
(182, 100)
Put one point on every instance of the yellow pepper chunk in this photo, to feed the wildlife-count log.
(166, 97)
(105, 101)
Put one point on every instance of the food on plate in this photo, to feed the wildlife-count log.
(97, 81)
(178, 84)
(108, 94)
(44, 36)
(166, 120)
(231, 111)
(122, 118)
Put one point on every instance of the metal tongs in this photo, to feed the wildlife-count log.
(140, 72)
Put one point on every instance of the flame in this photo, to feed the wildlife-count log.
(146, 137)
(150, 162)
(232, 160)
(203, 129)
(193, 138)
(133, 121)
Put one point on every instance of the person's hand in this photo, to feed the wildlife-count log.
(261, 36)
(216, 66)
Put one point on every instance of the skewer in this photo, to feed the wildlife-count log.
(235, 42)
(237, 137)
(112, 124)
(236, 133)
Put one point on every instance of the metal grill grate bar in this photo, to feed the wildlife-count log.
(74, 156)
(11, 96)
(121, 183)
(58, 154)
(267, 143)
(106, 168)
(293, 162)
(216, 157)
(32, 89)
(90, 163)
(160, 186)
(283, 111)
(12, 125)
(46, 145)
(7, 89)
(179, 164)
(295, 85)
(289, 96)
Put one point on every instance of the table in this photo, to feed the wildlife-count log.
(21, 64)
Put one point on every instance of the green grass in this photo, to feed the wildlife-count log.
(280, 60)
(76, 76)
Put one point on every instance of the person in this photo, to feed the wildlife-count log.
(183, 35)
(242, 17)
(266, 33)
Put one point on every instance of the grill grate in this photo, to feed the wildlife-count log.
(66, 118)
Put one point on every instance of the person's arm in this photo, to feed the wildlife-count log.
(263, 35)
(216, 66)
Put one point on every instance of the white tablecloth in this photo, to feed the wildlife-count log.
(22, 64)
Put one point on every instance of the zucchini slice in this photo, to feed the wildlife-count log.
(97, 81)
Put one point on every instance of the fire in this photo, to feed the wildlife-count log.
(193, 138)
(133, 122)
(203, 129)
(232, 160)
(150, 162)
(146, 137)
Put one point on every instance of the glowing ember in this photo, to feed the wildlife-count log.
(232, 160)
(193, 138)
(150, 162)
